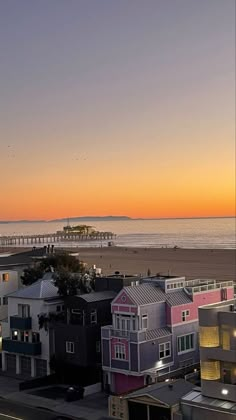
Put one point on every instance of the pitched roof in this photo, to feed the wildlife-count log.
(42, 289)
(143, 294)
(177, 298)
(157, 333)
(166, 392)
(97, 296)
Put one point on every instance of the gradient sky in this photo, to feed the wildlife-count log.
(117, 107)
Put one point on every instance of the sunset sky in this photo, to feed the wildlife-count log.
(122, 107)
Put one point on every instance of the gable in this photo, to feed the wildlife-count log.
(122, 299)
(149, 400)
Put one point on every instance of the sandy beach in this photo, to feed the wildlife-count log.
(192, 263)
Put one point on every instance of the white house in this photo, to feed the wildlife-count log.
(9, 283)
(26, 348)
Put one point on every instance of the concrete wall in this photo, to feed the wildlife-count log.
(196, 413)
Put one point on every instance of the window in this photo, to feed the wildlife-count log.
(93, 317)
(58, 308)
(0, 301)
(24, 311)
(70, 347)
(185, 343)
(164, 350)
(120, 351)
(4, 300)
(35, 337)
(5, 277)
(26, 336)
(14, 335)
(98, 346)
(144, 322)
(125, 322)
(185, 314)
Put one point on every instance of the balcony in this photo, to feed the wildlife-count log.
(218, 353)
(19, 323)
(14, 346)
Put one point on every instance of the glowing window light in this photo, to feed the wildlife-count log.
(210, 370)
(209, 336)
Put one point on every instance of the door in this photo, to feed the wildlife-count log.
(25, 366)
(11, 363)
(137, 411)
(41, 367)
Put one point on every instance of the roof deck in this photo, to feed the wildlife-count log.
(205, 285)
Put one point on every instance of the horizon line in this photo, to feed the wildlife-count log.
(114, 216)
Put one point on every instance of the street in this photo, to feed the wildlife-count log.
(13, 411)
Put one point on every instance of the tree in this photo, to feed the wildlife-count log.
(57, 262)
(31, 275)
(68, 283)
(61, 261)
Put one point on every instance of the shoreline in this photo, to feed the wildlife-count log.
(219, 264)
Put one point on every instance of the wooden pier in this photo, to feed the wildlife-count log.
(54, 238)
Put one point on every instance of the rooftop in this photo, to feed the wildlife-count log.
(196, 398)
(143, 294)
(168, 393)
(42, 289)
(98, 296)
(22, 258)
(204, 285)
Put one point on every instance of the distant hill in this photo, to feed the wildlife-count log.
(72, 219)
(92, 218)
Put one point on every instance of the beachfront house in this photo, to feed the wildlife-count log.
(78, 336)
(28, 345)
(154, 331)
(9, 283)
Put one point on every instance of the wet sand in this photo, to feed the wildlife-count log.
(192, 263)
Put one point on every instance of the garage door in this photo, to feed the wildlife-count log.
(11, 363)
(41, 367)
(25, 366)
(137, 411)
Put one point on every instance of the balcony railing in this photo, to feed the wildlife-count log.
(14, 346)
(206, 287)
(19, 323)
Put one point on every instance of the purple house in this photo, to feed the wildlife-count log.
(155, 329)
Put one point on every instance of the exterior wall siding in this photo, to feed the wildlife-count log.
(120, 364)
(149, 354)
(134, 357)
(124, 383)
(156, 315)
(116, 341)
(185, 329)
(105, 353)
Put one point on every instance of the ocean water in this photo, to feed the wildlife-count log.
(184, 233)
